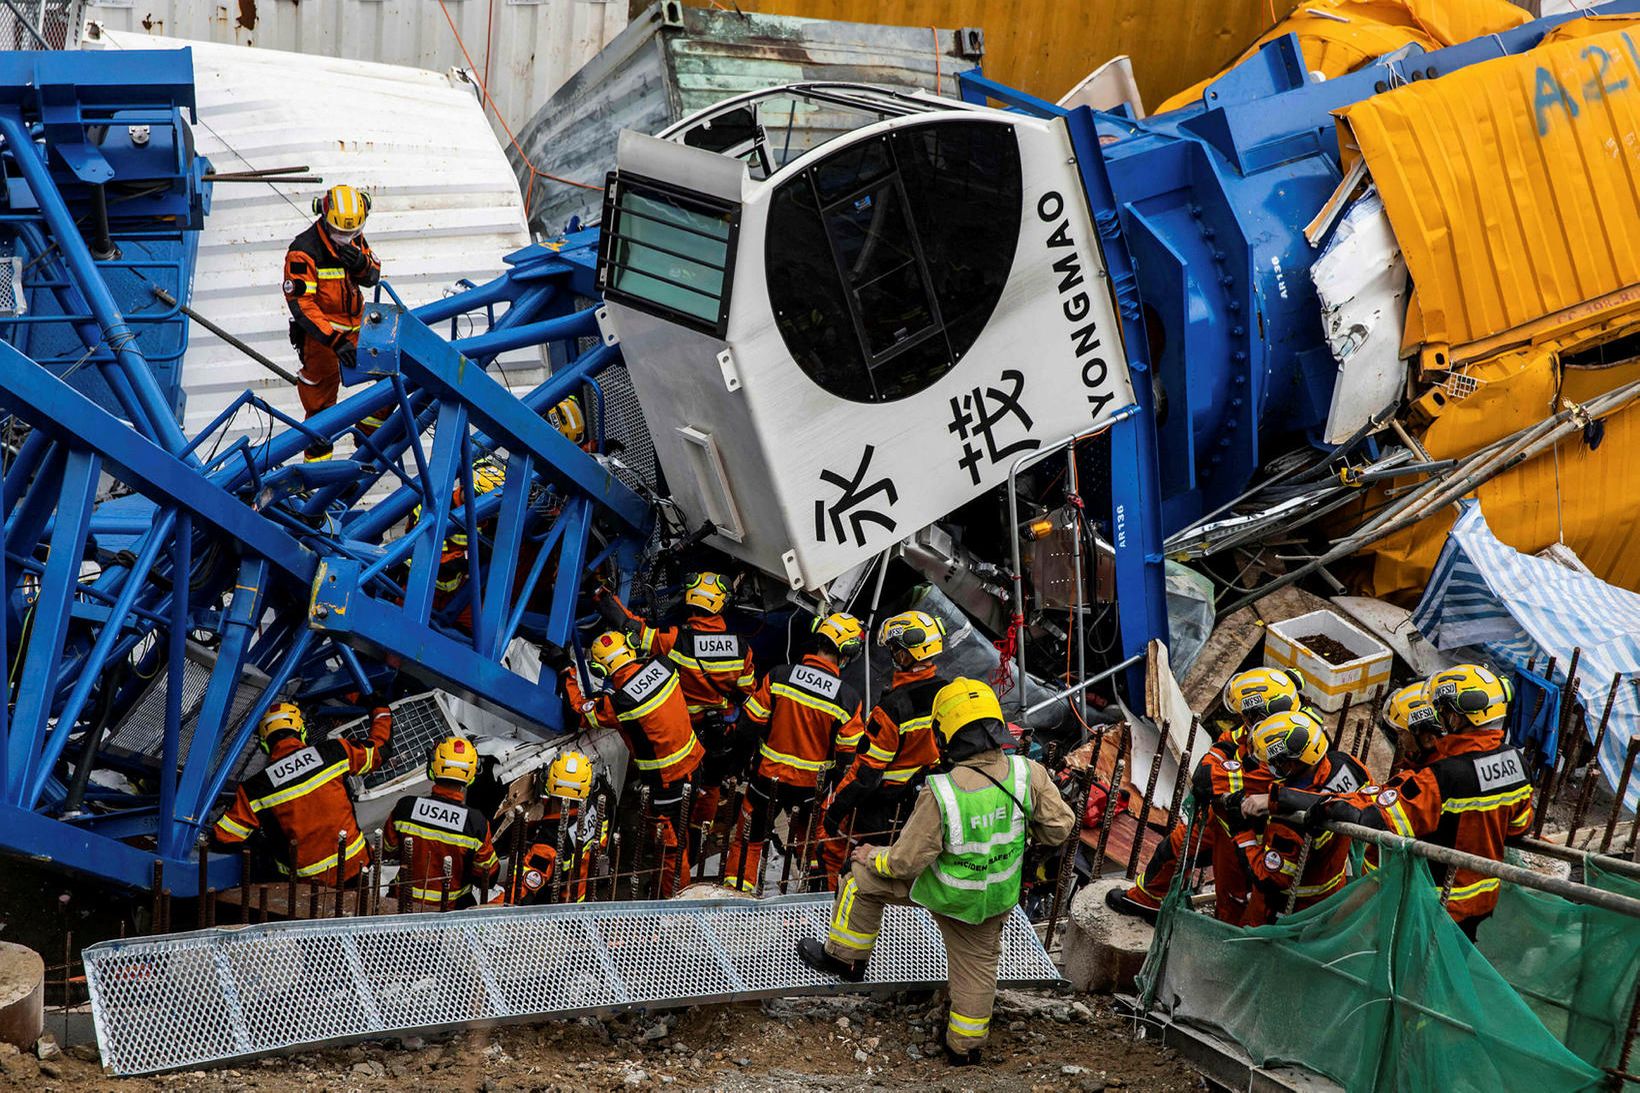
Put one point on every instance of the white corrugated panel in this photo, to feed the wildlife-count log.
(522, 49)
(445, 204)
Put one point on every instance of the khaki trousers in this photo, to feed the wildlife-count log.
(971, 952)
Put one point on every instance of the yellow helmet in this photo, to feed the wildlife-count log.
(570, 777)
(1478, 693)
(343, 208)
(962, 702)
(609, 653)
(455, 759)
(1289, 742)
(842, 632)
(568, 419)
(916, 633)
(488, 475)
(707, 592)
(281, 717)
(1259, 692)
(1407, 710)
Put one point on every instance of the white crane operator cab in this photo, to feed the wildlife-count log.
(847, 311)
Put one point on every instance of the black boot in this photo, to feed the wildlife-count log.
(959, 1058)
(1117, 900)
(813, 953)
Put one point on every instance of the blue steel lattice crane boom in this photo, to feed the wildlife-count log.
(151, 587)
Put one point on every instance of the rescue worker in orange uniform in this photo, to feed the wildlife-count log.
(644, 700)
(716, 668)
(443, 829)
(488, 476)
(1294, 748)
(326, 269)
(883, 781)
(567, 814)
(1467, 789)
(1405, 713)
(809, 715)
(299, 801)
(1220, 782)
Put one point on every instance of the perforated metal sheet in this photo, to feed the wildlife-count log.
(188, 999)
(140, 734)
(418, 724)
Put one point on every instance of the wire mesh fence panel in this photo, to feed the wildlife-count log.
(182, 1000)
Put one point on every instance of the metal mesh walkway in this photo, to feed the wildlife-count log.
(186, 999)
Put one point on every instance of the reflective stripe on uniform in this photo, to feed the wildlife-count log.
(793, 761)
(354, 849)
(839, 932)
(879, 864)
(1332, 884)
(812, 701)
(902, 775)
(436, 895)
(667, 690)
(912, 724)
(756, 708)
(1398, 817)
(332, 274)
(852, 741)
(670, 760)
(233, 828)
(438, 834)
(1234, 777)
(1491, 801)
(874, 752)
(302, 788)
(1479, 888)
(966, 1026)
(979, 884)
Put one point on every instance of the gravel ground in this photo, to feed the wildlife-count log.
(1039, 1042)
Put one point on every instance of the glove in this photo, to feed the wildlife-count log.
(347, 354)
(353, 259)
(554, 657)
(609, 609)
(834, 817)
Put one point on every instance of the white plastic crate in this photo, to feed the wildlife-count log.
(1326, 684)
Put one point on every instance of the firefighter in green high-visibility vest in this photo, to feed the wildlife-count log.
(961, 855)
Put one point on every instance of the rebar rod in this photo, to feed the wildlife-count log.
(1144, 808)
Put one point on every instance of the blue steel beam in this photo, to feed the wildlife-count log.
(66, 234)
(238, 625)
(391, 634)
(393, 340)
(53, 407)
(49, 628)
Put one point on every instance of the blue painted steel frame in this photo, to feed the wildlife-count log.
(274, 557)
(1135, 518)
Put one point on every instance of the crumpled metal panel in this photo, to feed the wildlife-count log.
(1513, 188)
(184, 1000)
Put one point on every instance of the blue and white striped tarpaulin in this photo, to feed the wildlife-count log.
(1518, 607)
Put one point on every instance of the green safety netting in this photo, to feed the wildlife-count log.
(1375, 987)
(1575, 966)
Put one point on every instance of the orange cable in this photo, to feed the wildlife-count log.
(938, 76)
(488, 101)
